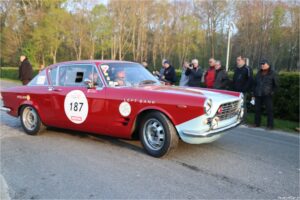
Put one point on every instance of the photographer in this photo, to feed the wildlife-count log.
(194, 73)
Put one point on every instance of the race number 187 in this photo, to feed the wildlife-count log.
(76, 106)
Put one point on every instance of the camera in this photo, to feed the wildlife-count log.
(191, 65)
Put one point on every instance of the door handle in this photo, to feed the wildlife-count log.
(54, 89)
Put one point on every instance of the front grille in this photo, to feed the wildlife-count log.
(228, 110)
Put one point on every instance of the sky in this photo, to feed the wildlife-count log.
(69, 5)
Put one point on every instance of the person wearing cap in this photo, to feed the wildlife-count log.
(25, 70)
(194, 73)
(169, 74)
(209, 77)
(265, 84)
(221, 77)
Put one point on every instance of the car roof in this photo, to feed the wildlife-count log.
(97, 62)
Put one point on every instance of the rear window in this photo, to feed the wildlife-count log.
(39, 80)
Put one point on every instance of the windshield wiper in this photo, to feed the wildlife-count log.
(147, 82)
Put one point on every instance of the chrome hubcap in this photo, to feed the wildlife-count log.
(154, 134)
(29, 118)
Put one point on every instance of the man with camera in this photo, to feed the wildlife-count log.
(194, 73)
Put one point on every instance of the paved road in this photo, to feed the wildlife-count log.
(59, 164)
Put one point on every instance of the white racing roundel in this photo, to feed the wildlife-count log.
(125, 109)
(76, 106)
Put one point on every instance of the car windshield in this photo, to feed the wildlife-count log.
(127, 74)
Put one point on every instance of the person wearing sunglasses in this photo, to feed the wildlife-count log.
(265, 84)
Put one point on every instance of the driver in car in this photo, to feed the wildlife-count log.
(120, 78)
(94, 77)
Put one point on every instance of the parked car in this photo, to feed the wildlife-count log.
(122, 99)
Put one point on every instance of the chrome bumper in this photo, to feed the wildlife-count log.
(211, 132)
(5, 109)
(194, 132)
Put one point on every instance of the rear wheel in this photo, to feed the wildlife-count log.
(157, 134)
(30, 120)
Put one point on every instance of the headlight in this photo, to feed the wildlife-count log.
(207, 106)
(242, 99)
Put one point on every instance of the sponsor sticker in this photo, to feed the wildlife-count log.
(41, 80)
(125, 109)
(104, 69)
(76, 106)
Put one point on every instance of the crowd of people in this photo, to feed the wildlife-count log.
(260, 89)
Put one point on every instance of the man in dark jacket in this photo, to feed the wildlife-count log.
(25, 70)
(243, 76)
(169, 76)
(194, 73)
(242, 79)
(265, 84)
(221, 78)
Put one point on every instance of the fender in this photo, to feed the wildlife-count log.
(134, 127)
(165, 112)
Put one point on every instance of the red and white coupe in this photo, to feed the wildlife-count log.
(122, 99)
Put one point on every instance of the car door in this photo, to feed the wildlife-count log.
(39, 95)
(77, 105)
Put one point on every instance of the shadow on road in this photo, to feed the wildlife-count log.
(133, 145)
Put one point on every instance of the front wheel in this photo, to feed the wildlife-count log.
(30, 120)
(157, 134)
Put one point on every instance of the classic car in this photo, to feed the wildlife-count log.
(122, 99)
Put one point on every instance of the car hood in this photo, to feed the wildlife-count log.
(215, 95)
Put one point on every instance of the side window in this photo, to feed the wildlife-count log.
(95, 78)
(53, 75)
(39, 80)
(74, 75)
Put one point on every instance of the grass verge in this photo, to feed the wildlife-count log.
(280, 124)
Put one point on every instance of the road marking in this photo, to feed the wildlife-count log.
(4, 195)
